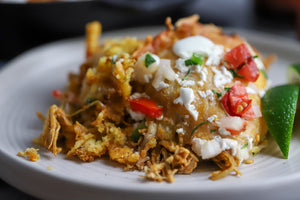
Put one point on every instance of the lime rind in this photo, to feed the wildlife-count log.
(293, 74)
(279, 108)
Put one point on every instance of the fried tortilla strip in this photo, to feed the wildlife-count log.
(93, 31)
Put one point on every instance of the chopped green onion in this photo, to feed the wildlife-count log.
(135, 136)
(187, 74)
(196, 59)
(264, 73)
(149, 60)
(256, 56)
(235, 74)
(198, 127)
(227, 89)
(244, 146)
(213, 130)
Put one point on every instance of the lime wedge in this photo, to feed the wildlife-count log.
(279, 108)
(293, 74)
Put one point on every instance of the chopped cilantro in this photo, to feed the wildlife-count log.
(213, 130)
(135, 136)
(227, 89)
(198, 127)
(196, 59)
(149, 60)
(187, 74)
(244, 146)
(235, 74)
(219, 94)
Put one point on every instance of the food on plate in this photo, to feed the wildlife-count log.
(30, 154)
(163, 104)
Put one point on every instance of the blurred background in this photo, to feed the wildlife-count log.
(27, 24)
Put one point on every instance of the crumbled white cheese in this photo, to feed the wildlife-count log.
(180, 65)
(223, 131)
(180, 131)
(142, 73)
(207, 94)
(212, 118)
(184, 83)
(164, 71)
(210, 148)
(227, 144)
(162, 85)
(216, 55)
(221, 77)
(136, 115)
(186, 98)
(203, 74)
(137, 95)
(250, 90)
(206, 148)
(201, 83)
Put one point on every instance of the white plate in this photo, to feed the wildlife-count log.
(25, 87)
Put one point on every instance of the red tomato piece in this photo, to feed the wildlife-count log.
(237, 56)
(146, 106)
(249, 71)
(56, 94)
(237, 103)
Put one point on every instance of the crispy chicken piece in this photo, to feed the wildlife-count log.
(30, 154)
(55, 123)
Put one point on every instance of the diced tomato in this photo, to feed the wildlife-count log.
(146, 106)
(249, 71)
(237, 56)
(56, 94)
(237, 103)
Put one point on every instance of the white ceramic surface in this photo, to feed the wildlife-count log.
(25, 87)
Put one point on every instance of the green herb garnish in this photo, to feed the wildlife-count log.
(196, 59)
(159, 105)
(198, 127)
(149, 60)
(256, 56)
(227, 89)
(187, 74)
(135, 136)
(219, 94)
(244, 146)
(235, 74)
(213, 130)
